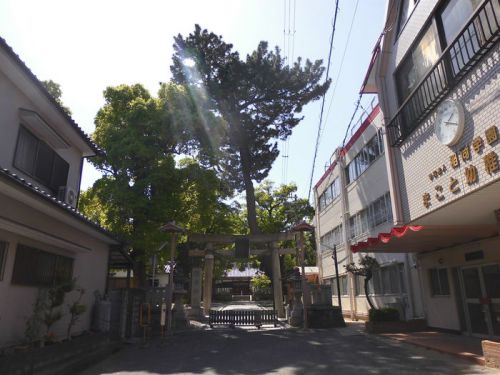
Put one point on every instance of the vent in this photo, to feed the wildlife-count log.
(67, 195)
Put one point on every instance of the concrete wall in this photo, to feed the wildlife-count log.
(12, 100)
(89, 268)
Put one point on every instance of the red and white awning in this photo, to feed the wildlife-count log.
(419, 238)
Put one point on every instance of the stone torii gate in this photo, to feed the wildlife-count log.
(208, 253)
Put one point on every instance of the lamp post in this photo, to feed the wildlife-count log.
(174, 230)
(301, 228)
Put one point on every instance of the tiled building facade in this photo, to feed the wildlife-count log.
(437, 77)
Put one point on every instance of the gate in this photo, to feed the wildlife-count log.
(243, 317)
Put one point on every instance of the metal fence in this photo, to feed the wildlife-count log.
(234, 318)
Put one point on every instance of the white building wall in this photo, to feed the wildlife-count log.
(360, 193)
(89, 269)
(12, 100)
(421, 154)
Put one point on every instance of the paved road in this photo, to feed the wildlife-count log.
(225, 351)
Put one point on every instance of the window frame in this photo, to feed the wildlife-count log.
(355, 164)
(53, 273)
(439, 293)
(333, 190)
(377, 286)
(430, 24)
(55, 168)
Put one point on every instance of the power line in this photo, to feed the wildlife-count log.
(358, 103)
(323, 101)
(341, 62)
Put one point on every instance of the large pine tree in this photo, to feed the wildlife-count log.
(259, 98)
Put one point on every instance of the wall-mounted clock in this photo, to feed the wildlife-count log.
(449, 123)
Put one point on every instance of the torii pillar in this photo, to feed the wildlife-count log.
(208, 279)
(277, 288)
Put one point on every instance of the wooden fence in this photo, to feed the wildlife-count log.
(242, 317)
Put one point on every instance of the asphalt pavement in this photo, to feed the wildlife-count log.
(280, 351)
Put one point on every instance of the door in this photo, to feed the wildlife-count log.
(481, 290)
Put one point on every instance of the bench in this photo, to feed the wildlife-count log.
(242, 318)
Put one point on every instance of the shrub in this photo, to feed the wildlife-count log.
(261, 281)
(386, 314)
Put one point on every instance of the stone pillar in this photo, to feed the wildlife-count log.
(277, 288)
(207, 286)
(196, 291)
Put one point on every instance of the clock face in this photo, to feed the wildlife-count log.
(449, 124)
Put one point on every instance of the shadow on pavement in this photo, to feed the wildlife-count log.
(236, 351)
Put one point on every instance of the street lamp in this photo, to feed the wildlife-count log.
(301, 228)
(174, 229)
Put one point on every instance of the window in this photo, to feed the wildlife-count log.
(439, 282)
(332, 238)
(35, 158)
(404, 13)
(343, 285)
(35, 267)
(330, 193)
(358, 224)
(418, 63)
(3, 257)
(452, 19)
(366, 156)
(380, 211)
(388, 280)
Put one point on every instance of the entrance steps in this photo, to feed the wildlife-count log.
(244, 297)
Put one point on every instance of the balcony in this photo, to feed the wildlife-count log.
(475, 40)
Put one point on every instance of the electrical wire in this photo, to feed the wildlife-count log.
(341, 62)
(323, 101)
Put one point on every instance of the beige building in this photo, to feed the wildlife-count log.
(436, 71)
(43, 238)
(353, 204)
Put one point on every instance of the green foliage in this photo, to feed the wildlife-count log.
(259, 99)
(55, 299)
(76, 309)
(279, 208)
(33, 330)
(365, 267)
(54, 89)
(143, 186)
(386, 314)
(261, 281)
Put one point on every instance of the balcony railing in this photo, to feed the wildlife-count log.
(476, 39)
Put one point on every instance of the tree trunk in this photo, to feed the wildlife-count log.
(249, 190)
(367, 279)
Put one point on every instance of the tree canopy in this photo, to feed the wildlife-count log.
(145, 182)
(54, 89)
(259, 99)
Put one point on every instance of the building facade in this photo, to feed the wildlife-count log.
(44, 240)
(436, 72)
(353, 203)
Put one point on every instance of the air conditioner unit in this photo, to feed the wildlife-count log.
(67, 195)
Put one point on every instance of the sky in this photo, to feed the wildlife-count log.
(86, 46)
